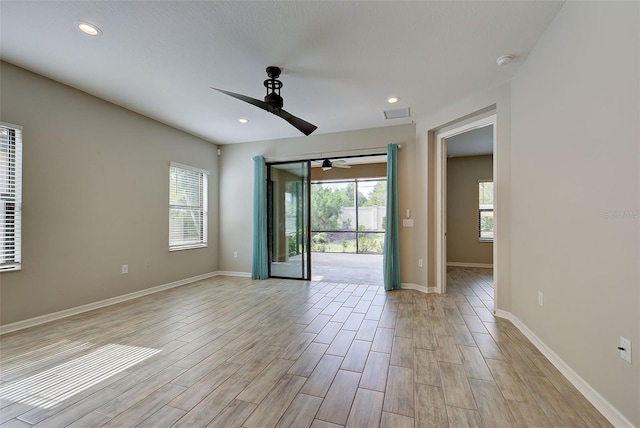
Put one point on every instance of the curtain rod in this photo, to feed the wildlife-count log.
(369, 151)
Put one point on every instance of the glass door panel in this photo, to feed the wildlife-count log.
(333, 224)
(288, 222)
(372, 211)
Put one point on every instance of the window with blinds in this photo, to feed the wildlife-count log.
(187, 207)
(485, 210)
(10, 196)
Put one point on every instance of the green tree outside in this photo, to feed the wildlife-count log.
(378, 196)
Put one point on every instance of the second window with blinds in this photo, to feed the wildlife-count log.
(10, 196)
(187, 207)
(485, 210)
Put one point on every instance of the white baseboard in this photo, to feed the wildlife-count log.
(599, 402)
(474, 265)
(32, 322)
(417, 287)
(231, 273)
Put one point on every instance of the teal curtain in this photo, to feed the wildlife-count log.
(259, 263)
(391, 256)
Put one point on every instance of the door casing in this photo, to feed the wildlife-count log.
(441, 200)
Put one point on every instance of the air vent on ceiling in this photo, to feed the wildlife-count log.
(397, 113)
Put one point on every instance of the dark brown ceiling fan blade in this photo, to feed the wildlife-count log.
(273, 101)
(302, 125)
(258, 103)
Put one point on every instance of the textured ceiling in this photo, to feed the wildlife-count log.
(340, 60)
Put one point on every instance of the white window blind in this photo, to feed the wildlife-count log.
(485, 210)
(187, 207)
(10, 196)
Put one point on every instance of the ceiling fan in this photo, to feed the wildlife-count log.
(273, 101)
(327, 164)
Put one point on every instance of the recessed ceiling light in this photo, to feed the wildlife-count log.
(88, 28)
(393, 100)
(243, 120)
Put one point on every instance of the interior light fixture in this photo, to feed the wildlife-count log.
(243, 120)
(88, 28)
(393, 100)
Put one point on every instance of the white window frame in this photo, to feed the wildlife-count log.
(202, 210)
(481, 210)
(11, 194)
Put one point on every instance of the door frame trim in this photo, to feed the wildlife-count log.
(441, 198)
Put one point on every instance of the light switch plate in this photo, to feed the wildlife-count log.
(407, 222)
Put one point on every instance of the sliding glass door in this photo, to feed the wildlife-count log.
(288, 220)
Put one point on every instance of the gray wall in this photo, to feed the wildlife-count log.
(575, 154)
(95, 197)
(463, 174)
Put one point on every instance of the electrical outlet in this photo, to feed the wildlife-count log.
(540, 299)
(625, 349)
(419, 262)
(125, 269)
(235, 254)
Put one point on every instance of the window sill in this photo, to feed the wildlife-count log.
(13, 268)
(187, 247)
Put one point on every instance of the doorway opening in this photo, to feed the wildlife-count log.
(348, 219)
(466, 214)
(327, 223)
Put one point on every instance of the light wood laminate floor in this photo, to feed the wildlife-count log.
(232, 352)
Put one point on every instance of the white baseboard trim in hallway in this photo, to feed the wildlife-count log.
(422, 288)
(474, 265)
(32, 322)
(231, 273)
(599, 402)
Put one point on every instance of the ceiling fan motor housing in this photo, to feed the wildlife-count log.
(274, 100)
(273, 86)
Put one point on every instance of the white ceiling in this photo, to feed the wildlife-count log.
(475, 142)
(340, 60)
